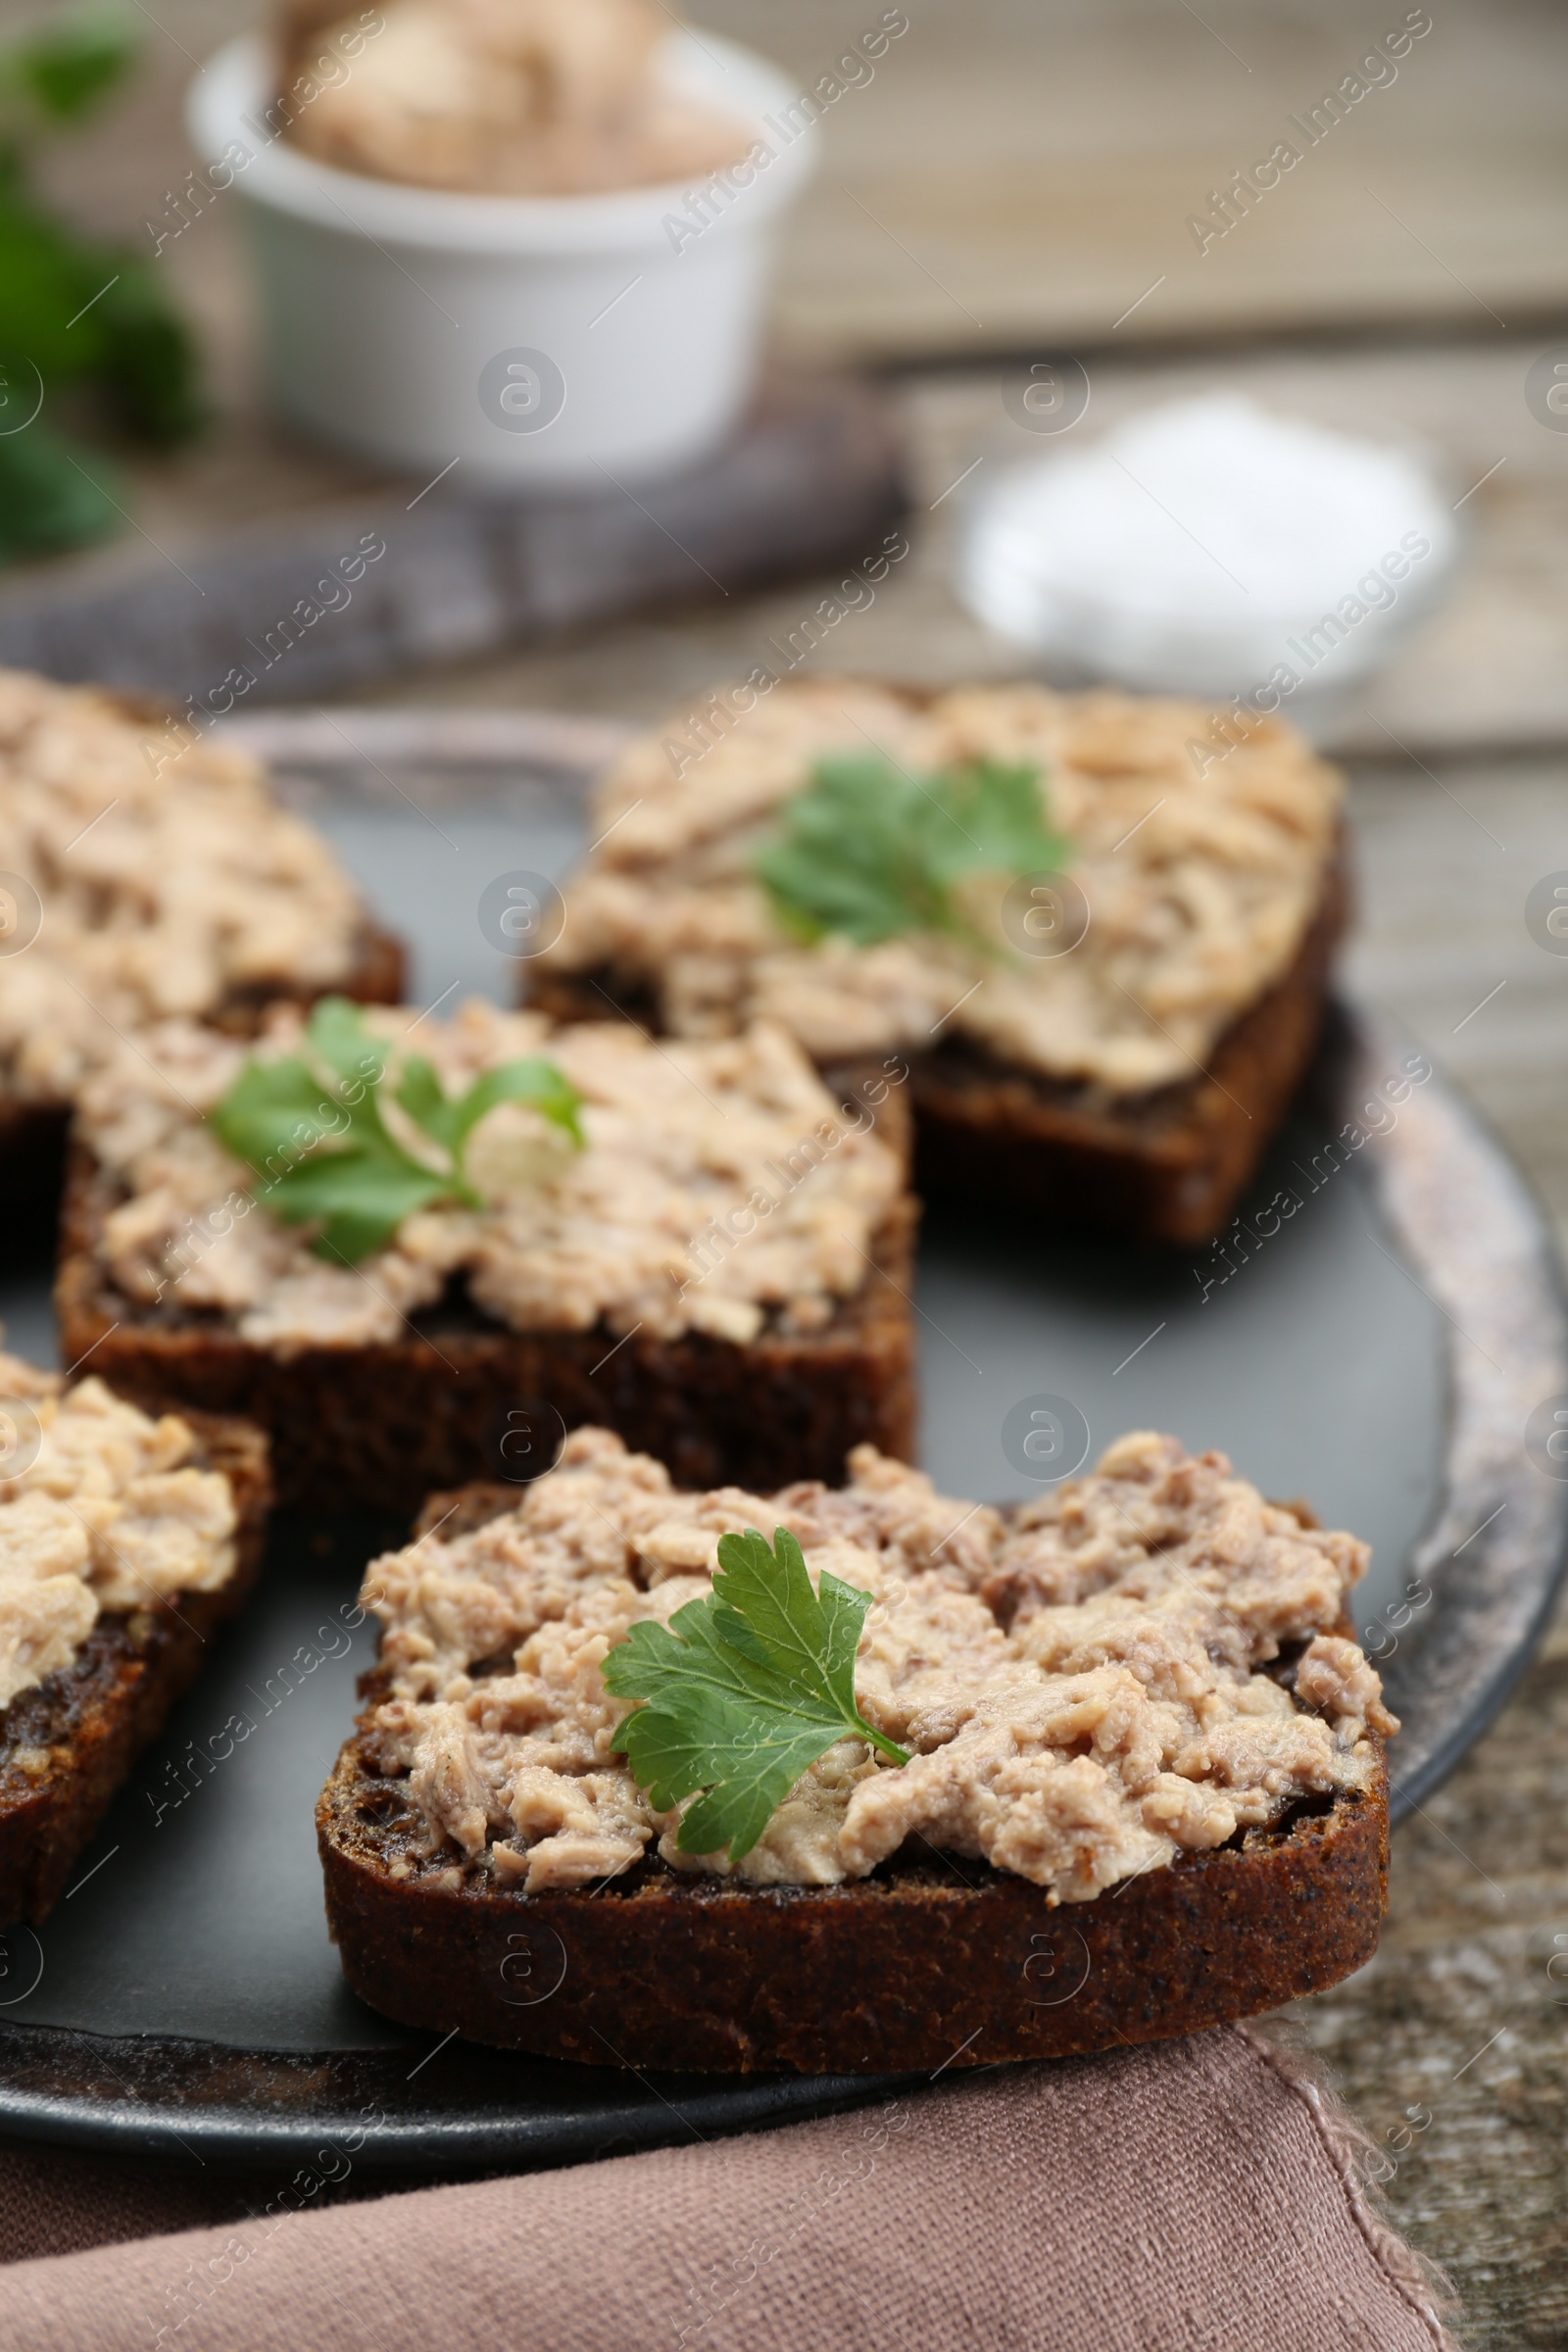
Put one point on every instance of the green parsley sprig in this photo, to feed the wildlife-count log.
(311, 1125)
(74, 312)
(870, 853)
(742, 1691)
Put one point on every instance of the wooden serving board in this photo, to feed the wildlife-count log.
(370, 586)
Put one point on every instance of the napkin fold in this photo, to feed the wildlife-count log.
(1190, 2196)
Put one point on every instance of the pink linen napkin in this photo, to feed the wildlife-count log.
(1192, 2196)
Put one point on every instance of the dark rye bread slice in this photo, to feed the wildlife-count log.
(1163, 1166)
(1166, 1166)
(67, 1744)
(935, 1960)
(33, 1134)
(460, 1396)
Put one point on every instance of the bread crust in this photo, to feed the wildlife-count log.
(1167, 1166)
(92, 1719)
(454, 1399)
(376, 977)
(929, 1962)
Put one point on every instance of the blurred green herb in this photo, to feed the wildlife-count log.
(742, 1691)
(58, 73)
(870, 853)
(73, 312)
(310, 1126)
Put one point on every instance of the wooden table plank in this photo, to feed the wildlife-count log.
(1027, 172)
(330, 594)
(1489, 671)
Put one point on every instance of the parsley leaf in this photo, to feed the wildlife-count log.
(537, 1083)
(871, 852)
(73, 312)
(59, 70)
(47, 504)
(742, 1691)
(310, 1126)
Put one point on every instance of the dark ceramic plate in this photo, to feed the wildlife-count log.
(1390, 1349)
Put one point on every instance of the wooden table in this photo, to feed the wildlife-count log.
(1039, 164)
(1451, 2047)
(1011, 173)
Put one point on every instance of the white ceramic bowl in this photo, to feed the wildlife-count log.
(1268, 550)
(540, 340)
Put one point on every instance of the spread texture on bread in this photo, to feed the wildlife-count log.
(1143, 1664)
(156, 882)
(105, 1510)
(125, 1541)
(1196, 871)
(447, 1243)
(715, 1188)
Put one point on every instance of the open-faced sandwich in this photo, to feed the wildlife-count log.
(417, 1252)
(1099, 930)
(857, 1779)
(147, 873)
(124, 1542)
